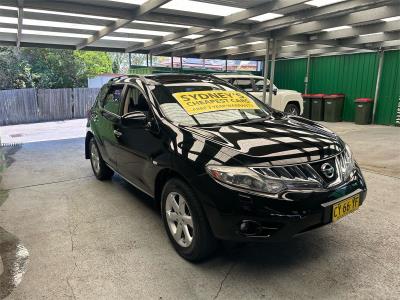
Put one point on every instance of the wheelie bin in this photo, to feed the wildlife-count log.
(363, 114)
(317, 107)
(306, 106)
(333, 107)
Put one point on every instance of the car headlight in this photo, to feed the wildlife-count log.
(348, 163)
(245, 178)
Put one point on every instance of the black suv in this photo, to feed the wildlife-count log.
(221, 164)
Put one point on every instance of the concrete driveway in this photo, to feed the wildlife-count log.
(104, 240)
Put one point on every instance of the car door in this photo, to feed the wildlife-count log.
(138, 142)
(108, 120)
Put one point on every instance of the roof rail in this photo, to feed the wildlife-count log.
(123, 76)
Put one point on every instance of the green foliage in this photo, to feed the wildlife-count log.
(93, 63)
(14, 73)
(50, 68)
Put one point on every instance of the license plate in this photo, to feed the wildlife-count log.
(345, 207)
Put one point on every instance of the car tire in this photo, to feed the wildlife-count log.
(292, 109)
(202, 243)
(99, 167)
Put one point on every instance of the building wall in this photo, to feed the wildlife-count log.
(351, 74)
(98, 81)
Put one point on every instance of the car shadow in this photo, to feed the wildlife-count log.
(271, 255)
(137, 194)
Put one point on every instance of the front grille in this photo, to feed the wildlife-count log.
(318, 165)
(310, 175)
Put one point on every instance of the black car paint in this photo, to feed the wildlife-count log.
(146, 155)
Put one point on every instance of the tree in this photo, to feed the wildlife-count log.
(14, 73)
(120, 62)
(50, 68)
(93, 63)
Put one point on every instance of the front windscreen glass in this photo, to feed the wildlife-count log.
(202, 103)
(260, 85)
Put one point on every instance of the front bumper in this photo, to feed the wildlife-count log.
(238, 216)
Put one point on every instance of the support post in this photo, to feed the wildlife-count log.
(307, 78)
(180, 58)
(20, 20)
(172, 63)
(271, 80)
(226, 65)
(151, 60)
(264, 97)
(378, 83)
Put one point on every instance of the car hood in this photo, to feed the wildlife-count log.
(280, 91)
(288, 91)
(276, 141)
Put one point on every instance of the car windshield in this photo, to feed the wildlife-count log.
(207, 103)
(260, 83)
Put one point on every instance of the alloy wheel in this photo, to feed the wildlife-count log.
(293, 111)
(179, 219)
(95, 158)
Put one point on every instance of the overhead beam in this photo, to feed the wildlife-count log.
(20, 21)
(350, 19)
(160, 40)
(215, 46)
(226, 52)
(268, 7)
(218, 36)
(318, 13)
(260, 29)
(370, 38)
(357, 30)
(191, 21)
(223, 22)
(283, 46)
(320, 52)
(143, 9)
(286, 49)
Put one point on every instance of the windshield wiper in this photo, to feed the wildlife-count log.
(258, 120)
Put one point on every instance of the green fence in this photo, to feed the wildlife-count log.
(290, 73)
(353, 75)
(389, 94)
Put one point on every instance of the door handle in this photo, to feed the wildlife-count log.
(117, 133)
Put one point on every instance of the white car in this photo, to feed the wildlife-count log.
(284, 100)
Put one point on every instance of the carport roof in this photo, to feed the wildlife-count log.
(229, 29)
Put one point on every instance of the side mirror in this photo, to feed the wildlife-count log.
(275, 91)
(133, 118)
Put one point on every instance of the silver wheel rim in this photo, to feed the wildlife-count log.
(94, 156)
(293, 111)
(179, 219)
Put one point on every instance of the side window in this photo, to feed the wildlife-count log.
(244, 84)
(135, 101)
(102, 94)
(112, 101)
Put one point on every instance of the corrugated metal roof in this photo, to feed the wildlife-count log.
(300, 28)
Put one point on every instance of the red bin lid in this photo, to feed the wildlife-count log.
(306, 95)
(320, 96)
(364, 100)
(334, 96)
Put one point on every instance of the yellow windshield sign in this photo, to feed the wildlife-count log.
(198, 102)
